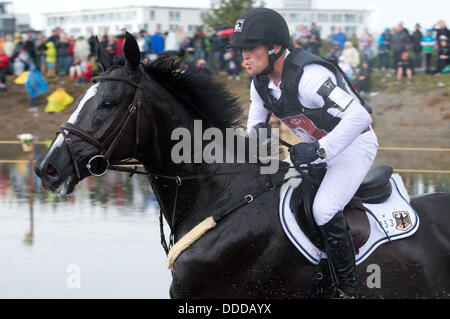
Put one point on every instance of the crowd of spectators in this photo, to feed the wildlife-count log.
(397, 51)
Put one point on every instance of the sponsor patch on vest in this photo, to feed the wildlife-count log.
(304, 128)
(238, 26)
(341, 98)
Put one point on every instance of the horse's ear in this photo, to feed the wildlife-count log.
(131, 51)
(103, 57)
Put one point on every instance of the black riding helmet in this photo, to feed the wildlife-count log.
(261, 25)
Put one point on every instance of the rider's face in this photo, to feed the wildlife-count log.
(256, 59)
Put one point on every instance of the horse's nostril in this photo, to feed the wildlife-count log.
(50, 170)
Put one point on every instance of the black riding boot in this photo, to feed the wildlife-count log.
(339, 247)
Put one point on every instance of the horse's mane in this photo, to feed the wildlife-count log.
(208, 100)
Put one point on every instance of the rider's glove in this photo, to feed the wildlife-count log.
(304, 153)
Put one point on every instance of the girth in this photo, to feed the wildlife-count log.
(108, 145)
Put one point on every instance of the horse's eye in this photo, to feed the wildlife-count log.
(107, 104)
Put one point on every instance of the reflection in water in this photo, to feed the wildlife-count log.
(109, 227)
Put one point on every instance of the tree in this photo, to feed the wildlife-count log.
(226, 12)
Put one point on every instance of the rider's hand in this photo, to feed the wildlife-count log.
(304, 153)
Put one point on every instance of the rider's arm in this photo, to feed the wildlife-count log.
(257, 113)
(354, 119)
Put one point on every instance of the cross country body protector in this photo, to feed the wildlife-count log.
(314, 122)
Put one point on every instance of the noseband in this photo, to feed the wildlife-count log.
(107, 146)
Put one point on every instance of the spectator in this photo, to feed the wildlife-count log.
(4, 62)
(314, 44)
(202, 69)
(172, 43)
(384, 47)
(301, 38)
(216, 50)
(404, 68)
(50, 58)
(316, 32)
(365, 45)
(363, 82)
(351, 55)
(340, 38)
(148, 41)
(85, 77)
(111, 47)
(40, 52)
(346, 67)
(334, 53)
(428, 44)
(141, 44)
(181, 35)
(232, 67)
(91, 41)
(416, 39)
(81, 49)
(441, 30)
(63, 54)
(21, 62)
(198, 42)
(35, 86)
(157, 42)
(443, 54)
(28, 45)
(119, 45)
(75, 68)
(8, 46)
(399, 42)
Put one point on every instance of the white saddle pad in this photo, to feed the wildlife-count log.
(396, 215)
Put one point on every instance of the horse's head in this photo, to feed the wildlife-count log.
(105, 116)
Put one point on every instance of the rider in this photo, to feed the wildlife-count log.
(315, 100)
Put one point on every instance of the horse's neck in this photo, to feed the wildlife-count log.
(209, 188)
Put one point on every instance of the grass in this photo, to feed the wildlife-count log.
(421, 82)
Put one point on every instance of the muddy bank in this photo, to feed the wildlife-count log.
(404, 118)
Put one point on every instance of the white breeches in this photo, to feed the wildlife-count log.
(345, 173)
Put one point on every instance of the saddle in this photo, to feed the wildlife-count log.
(375, 188)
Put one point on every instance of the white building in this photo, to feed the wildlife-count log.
(135, 18)
(132, 18)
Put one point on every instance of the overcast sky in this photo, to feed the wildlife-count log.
(386, 12)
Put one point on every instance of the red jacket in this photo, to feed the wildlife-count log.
(4, 60)
(87, 73)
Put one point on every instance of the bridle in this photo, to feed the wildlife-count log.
(108, 145)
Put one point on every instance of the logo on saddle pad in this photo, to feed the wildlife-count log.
(402, 220)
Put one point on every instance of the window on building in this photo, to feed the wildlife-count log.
(293, 17)
(173, 27)
(118, 16)
(174, 15)
(322, 17)
(336, 18)
(350, 30)
(361, 18)
(350, 18)
(152, 15)
(110, 16)
(85, 18)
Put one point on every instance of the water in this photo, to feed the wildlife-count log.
(103, 241)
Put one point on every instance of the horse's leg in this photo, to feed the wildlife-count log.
(417, 266)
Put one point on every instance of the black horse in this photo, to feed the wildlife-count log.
(131, 113)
